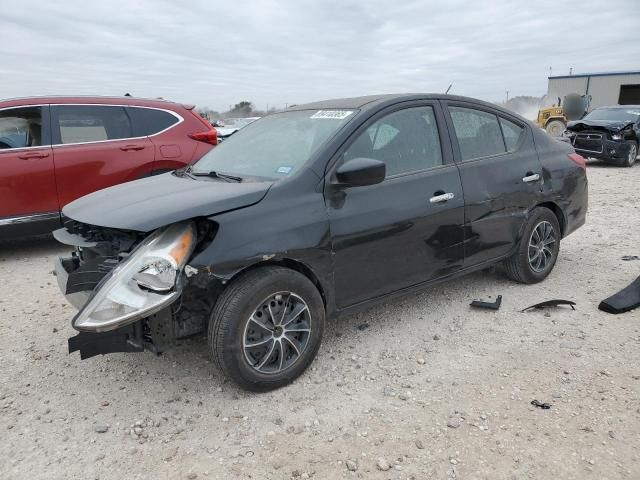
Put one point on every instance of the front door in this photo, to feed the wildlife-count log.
(95, 148)
(27, 179)
(407, 229)
(501, 177)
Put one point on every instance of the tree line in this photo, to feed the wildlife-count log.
(239, 110)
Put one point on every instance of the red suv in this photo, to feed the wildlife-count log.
(54, 150)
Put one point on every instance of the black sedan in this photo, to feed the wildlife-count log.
(608, 133)
(312, 212)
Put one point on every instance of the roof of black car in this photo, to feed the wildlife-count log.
(370, 101)
(353, 102)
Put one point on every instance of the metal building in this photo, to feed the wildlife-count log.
(605, 88)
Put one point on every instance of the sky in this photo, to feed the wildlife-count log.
(272, 53)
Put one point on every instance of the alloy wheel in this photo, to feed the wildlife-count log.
(277, 333)
(541, 246)
(633, 153)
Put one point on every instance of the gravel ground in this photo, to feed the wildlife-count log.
(422, 387)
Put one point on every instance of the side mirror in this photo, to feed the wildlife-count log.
(359, 172)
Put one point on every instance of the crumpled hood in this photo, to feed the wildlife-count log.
(146, 204)
(608, 125)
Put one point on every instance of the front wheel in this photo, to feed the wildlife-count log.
(266, 328)
(632, 155)
(538, 248)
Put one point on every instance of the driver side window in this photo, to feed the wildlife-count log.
(20, 127)
(406, 140)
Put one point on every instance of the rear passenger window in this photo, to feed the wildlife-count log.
(20, 127)
(91, 123)
(478, 133)
(512, 133)
(407, 141)
(148, 121)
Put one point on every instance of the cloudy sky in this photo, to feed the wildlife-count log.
(216, 53)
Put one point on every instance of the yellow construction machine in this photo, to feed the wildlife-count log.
(554, 118)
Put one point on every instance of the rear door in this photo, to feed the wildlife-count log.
(501, 177)
(172, 146)
(94, 147)
(27, 179)
(407, 229)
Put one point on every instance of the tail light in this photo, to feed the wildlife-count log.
(210, 137)
(577, 158)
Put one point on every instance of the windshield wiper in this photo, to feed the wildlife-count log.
(214, 174)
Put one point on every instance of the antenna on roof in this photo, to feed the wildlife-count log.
(127, 94)
(450, 85)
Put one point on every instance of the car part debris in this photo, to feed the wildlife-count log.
(550, 303)
(626, 299)
(544, 406)
(489, 305)
(363, 326)
(627, 258)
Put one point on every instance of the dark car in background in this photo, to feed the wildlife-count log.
(54, 150)
(607, 133)
(312, 212)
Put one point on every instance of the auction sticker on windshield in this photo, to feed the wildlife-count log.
(285, 169)
(332, 114)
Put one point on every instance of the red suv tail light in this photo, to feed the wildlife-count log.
(579, 159)
(210, 137)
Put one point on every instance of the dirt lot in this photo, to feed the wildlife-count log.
(422, 387)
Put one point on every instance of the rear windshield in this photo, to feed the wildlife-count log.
(275, 146)
(614, 114)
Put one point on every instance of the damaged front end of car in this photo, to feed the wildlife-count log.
(132, 289)
(608, 141)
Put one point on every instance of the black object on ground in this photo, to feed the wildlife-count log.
(550, 303)
(544, 406)
(630, 257)
(626, 299)
(363, 326)
(490, 305)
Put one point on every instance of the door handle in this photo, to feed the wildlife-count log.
(531, 178)
(131, 147)
(28, 156)
(441, 197)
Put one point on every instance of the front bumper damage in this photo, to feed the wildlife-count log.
(597, 145)
(155, 333)
(124, 339)
(82, 273)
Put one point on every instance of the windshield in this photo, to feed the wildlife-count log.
(275, 146)
(614, 114)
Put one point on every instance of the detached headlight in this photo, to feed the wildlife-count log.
(616, 136)
(144, 283)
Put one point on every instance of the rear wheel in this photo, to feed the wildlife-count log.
(538, 248)
(266, 328)
(555, 128)
(633, 153)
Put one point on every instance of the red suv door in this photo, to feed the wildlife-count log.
(94, 147)
(165, 128)
(27, 181)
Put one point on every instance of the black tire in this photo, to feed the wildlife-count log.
(555, 128)
(519, 267)
(631, 156)
(231, 324)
